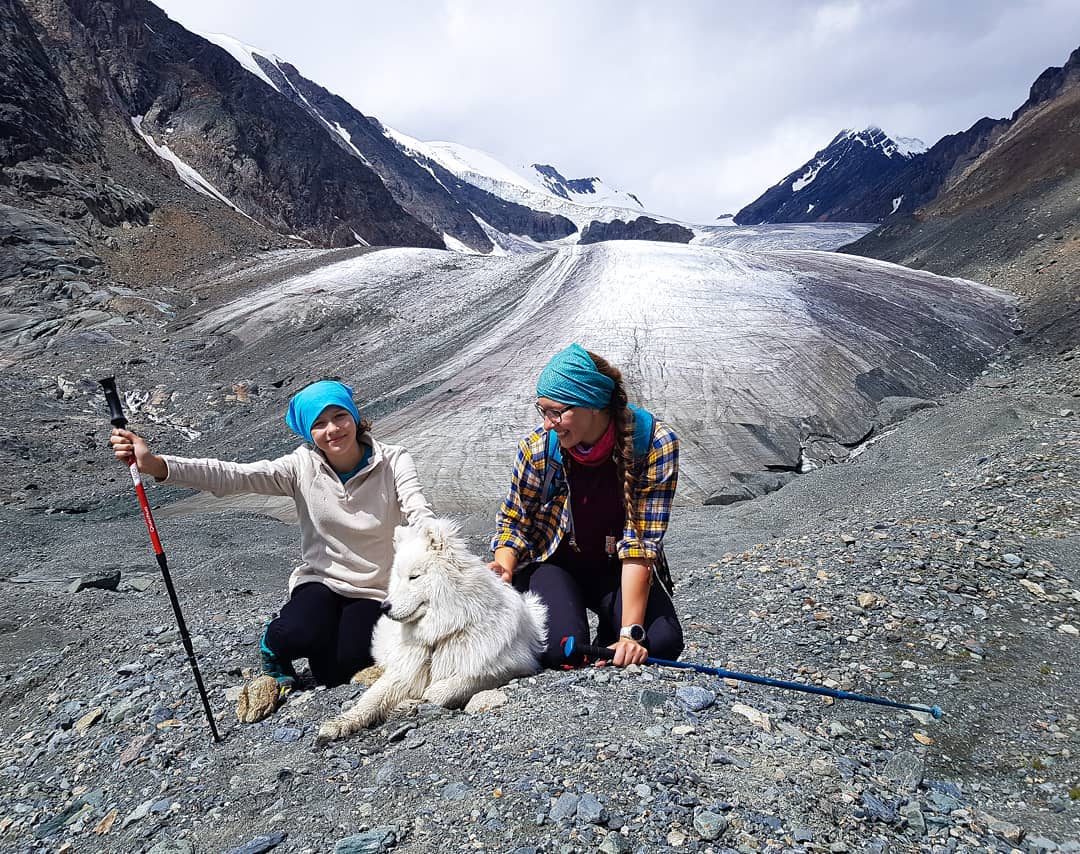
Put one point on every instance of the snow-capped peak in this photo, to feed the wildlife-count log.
(874, 137)
(585, 191)
(539, 186)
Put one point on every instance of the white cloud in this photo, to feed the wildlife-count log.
(698, 107)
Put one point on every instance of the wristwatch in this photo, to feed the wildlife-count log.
(635, 632)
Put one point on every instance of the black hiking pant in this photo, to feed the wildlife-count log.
(569, 593)
(333, 632)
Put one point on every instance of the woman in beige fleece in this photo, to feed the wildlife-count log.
(350, 492)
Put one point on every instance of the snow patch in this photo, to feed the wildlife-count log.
(186, 173)
(345, 135)
(455, 245)
(809, 175)
(242, 53)
(896, 204)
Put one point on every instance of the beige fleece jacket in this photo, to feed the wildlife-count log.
(346, 529)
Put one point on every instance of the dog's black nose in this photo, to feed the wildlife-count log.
(385, 606)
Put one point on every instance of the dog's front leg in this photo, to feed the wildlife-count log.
(451, 693)
(388, 692)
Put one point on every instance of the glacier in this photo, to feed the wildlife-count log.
(757, 358)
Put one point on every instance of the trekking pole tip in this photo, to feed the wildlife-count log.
(936, 713)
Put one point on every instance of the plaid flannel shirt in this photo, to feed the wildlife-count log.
(534, 528)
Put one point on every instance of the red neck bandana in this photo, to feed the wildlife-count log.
(598, 453)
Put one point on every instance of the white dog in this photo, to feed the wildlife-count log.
(450, 628)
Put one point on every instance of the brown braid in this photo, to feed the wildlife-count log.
(624, 436)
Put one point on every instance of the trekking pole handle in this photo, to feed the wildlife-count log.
(577, 654)
(112, 397)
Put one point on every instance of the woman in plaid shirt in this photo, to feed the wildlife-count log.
(591, 542)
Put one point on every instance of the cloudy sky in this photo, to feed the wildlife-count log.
(697, 107)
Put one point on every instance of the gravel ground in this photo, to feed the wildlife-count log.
(939, 566)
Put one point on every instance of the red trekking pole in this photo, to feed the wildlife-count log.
(118, 419)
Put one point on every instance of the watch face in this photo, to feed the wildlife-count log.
(635, 632)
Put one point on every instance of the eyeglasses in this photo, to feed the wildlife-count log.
(553, 415)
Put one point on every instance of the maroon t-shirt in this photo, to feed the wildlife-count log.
(596, 501)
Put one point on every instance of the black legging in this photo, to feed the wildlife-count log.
(331, 631)
(568, 594)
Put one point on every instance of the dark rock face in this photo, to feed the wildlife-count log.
(254, 146)
(833, 186)
(35, 115)
(412, 186)
(108, 202)
(642, 228)
(744, 486)
(1052, 83)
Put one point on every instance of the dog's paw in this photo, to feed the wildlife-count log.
(368, 676)
(258, 699)
(334, 729)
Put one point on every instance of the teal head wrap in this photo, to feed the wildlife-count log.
(308, 403)
(571, 378)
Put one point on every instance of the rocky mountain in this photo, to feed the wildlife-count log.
(112, 111)
(412, 186)
(841, 183)
(514, 201)
(1008, 208)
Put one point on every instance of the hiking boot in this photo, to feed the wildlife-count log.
(279, 668)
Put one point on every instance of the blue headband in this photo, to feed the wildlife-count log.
(571, 378)
(308, 403)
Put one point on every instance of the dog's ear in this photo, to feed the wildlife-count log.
(441, 534)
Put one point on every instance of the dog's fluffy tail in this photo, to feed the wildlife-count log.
(537, 611)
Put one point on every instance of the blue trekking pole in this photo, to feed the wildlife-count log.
(578, 654)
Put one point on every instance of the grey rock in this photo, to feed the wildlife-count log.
(589, 809)
(709, 825)
(565, 807)
(916, 822)
(455, 791)
(260, 844)
(103, 580)
(172, 846)
(650, 699)
(906, 769)
(615, 843)
(878, 809)
(373, 841)
(56, 822)
(695, 698)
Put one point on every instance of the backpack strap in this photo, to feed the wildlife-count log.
(644, 424)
